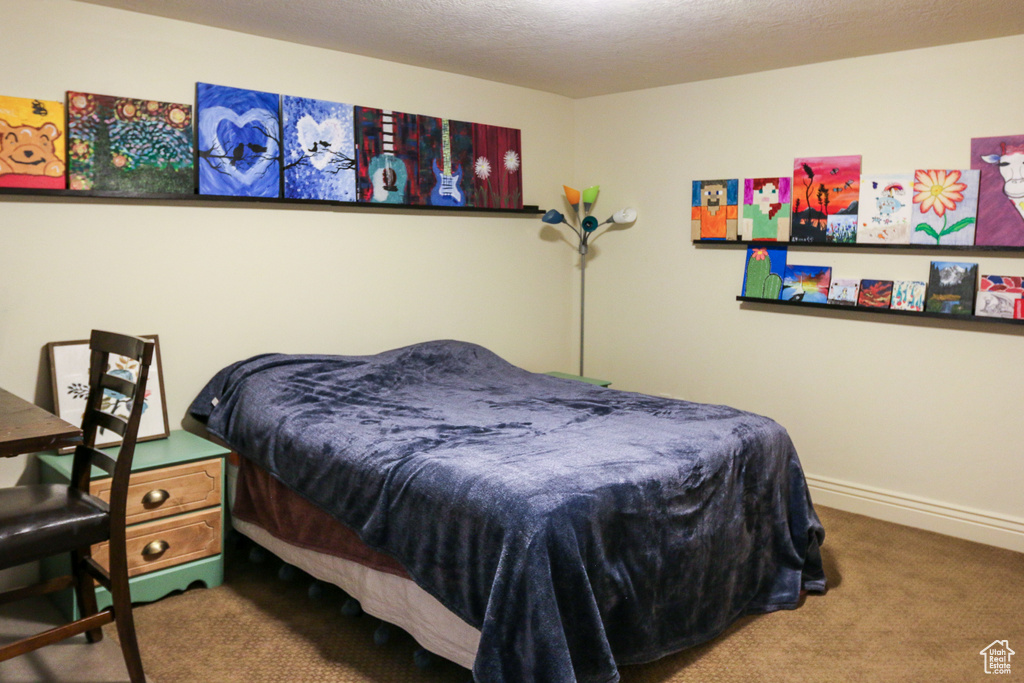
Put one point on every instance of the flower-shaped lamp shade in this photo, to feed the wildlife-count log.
(589, 197)
(574, 198)
(553, 217)
(627, 215)
(590, 224)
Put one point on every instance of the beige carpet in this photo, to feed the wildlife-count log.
(904, 605)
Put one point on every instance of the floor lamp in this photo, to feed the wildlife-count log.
(588, 226)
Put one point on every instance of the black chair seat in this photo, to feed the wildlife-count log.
(45, 519)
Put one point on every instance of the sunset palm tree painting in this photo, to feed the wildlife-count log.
(825, 192)
(808, 284)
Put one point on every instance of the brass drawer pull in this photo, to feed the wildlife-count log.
(155, 548)
(155, 497)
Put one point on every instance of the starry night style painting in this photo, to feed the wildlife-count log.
(238, 141)
(319, 149)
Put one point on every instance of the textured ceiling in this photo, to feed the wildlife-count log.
(581, 48)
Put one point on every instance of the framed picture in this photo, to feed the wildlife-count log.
(69, 373)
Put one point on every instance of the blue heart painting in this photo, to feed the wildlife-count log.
(239, 148)
(319, 149)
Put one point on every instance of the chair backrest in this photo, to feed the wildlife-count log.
(130, 392)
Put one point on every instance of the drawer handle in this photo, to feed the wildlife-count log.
(155, 548)
(155, 497)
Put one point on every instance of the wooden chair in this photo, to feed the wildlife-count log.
(38, 521)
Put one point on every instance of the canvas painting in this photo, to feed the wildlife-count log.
(32, 143)
(446, 161)
(128, 145)
(843, 292)
(497, 181)
(908, 295)
(387, 156)
(809, 284)
(998, 296)
(239, 142)
(875, 293)
(714, 209)
(765, 268)
(765, 209)
(951, 288)
(825, 190)
(319, 149)
(1000, 161)
(945, 206)
(884, 209)
(69, 375)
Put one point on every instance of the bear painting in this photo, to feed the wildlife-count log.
(32, 138)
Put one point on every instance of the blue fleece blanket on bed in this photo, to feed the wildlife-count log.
(579, 528)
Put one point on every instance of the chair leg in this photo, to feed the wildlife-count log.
(85, 592)
(125, 622)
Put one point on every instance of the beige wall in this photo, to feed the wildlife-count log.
(919, 423)
(221, 283)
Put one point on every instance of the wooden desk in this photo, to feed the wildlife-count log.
(27, 428)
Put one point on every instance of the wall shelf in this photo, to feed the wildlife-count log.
(167, 199)
(878, 248)
(906, 316)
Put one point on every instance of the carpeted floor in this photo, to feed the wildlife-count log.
(904, 605)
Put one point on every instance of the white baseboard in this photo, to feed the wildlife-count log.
(980, 526)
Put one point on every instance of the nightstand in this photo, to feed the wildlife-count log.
(174, 516)
(588, 380)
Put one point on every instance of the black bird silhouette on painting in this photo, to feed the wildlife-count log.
(259, 149)
(236, 156)
(313, 148)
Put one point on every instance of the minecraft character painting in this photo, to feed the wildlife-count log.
(714, 213)
(766, 209)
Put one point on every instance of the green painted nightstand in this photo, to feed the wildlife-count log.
(588, 380)
(174, 516)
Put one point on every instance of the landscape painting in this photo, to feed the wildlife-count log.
(945, 206)
(319, 149)
(998, 296)
(825, 189)
(387, 156)
(128, 145)
(884, 209)
(766, 209)
(238, 141)
(713, 214)
(843, 292)
(908, 295)
(446, 161)
(808, 284)
(951, 288)
(32, 143)
(765, 268)
(875, 293)
(1000, 160)
(497, 180)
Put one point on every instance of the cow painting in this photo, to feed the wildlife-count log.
(1001, 193)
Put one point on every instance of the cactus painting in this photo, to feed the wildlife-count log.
(764, 271)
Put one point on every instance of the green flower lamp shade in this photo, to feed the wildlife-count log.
(589, 197)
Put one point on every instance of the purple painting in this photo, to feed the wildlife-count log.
(1001, 190)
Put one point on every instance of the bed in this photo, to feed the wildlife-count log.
(550, 529)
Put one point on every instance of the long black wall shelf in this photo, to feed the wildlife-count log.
(94, 196)
(860, 246)
(906, 315)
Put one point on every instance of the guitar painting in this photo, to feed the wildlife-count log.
(447, 191)
(387, 151)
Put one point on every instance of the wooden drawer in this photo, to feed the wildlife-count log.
(188, 537)
(171, 490)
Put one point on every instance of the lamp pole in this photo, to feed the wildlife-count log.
(583, 289)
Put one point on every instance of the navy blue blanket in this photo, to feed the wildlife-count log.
(579, 528)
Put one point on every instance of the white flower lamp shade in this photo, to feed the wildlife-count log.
(622, 216)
